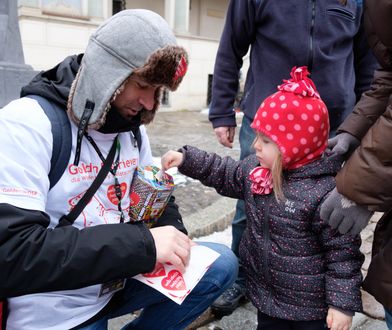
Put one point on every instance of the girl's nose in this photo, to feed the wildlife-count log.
(257, 146)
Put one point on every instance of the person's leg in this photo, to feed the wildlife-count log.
(159, 312)
(266, 322)
(388, 318)
(230, 299)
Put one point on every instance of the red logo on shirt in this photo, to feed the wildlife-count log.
(112, 192)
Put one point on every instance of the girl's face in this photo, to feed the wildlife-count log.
(266, 150)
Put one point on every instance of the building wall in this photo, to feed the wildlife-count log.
(50, 33)
(155, 5)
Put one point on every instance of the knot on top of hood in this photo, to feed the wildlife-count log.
(299, 83)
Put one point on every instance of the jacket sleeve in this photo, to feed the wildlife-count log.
(371, 105)
(364, 62)
(378, 278)
(366, 176)
(343, 261)
(238, 34)
(171, 217)
(224, 174)
(35, 259)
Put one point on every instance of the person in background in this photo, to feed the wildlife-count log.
(363, 185)
(326, 36)
(300, 273)
(80, 275)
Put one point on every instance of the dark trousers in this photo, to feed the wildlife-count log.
(246, 138)
(266, 322)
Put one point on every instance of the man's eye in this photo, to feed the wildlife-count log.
(142, 86)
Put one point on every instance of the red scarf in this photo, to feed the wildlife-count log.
(261, 178)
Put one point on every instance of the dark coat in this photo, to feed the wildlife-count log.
(366, 177)
(325, 35)
(296, 266)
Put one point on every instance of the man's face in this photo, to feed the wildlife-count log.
(136, 96)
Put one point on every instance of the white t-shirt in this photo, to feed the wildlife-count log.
(26, 148)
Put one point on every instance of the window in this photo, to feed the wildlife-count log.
(70, 8)
(165, 97)
(209, 89)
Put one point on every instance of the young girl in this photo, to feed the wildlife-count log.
(300, 273)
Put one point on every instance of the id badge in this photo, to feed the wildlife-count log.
(111, 287)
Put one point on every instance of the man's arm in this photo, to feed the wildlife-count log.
(371, 105)
(371, 162)
(237, 36)
(171, 216)
(365, 62)
(34, 258)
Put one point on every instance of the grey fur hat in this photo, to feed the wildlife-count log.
(134, 39)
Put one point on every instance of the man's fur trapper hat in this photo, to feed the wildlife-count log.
(132, 41)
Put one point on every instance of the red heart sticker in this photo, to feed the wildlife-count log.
(135, 198)
(112, 192)
(158, 271)
(174, 281)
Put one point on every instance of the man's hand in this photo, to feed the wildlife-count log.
(343, 214)
(172, 246)
(337, 320)
(343, 144)
(171, 159)
(225, 135)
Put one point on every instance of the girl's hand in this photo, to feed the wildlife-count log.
(171, 159)
(336, 320)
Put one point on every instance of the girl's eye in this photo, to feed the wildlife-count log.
(266, 141)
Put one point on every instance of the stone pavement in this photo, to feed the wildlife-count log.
(208, 216)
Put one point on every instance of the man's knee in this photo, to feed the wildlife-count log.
(224, 270)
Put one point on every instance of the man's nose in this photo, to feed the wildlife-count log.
(147, 98)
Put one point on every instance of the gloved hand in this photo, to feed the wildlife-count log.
(343, 144)
(343, 214)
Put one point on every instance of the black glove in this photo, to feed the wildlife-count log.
(343, 144)
(343, 214)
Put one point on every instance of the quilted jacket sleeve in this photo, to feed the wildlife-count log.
(222, 173)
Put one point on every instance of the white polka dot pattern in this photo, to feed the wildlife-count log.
(299, 125)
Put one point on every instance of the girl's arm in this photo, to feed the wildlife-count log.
(222, 173)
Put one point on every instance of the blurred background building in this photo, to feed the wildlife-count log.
(53, 29)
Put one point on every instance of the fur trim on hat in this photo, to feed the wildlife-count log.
(167, 66)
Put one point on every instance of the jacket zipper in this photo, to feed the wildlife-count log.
(266, 239)
(310, 63)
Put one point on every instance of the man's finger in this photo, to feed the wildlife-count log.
(177, 262)
(231, 133)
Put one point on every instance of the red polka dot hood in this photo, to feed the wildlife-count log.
(296, 119)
